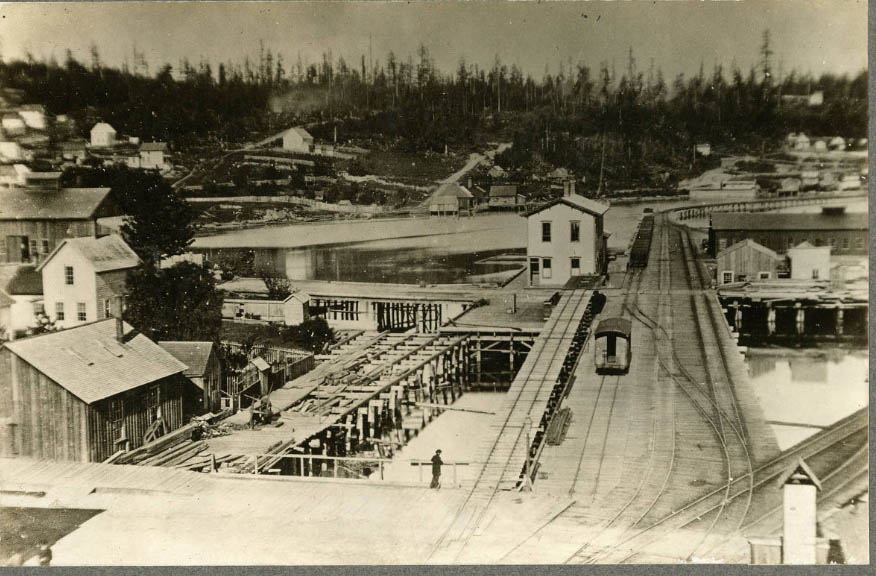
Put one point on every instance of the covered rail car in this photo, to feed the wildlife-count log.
(641, 245)
(612, 346)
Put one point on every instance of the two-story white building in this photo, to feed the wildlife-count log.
(83, 277)
(565, 239)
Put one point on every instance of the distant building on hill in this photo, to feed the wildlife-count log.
(298, 139)
(103, 135)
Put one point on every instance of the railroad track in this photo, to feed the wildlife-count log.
(635, 539)
(487, 484)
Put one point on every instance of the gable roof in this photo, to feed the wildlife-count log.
(502, 191)
(105, 254)
(300, 131)
(20, 280)
(780, 221)
(749, 243)
(195, 355)
(103, 127)
(64, 204)
(298, 295)
(153, 147)
(92, 365)
(799, 473)
(452, 189)
(575, 201)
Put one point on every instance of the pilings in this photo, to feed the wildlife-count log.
(796, 320)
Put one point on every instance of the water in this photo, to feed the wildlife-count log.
(811, 388)
(435, 250)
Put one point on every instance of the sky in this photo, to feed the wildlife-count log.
(810, 36)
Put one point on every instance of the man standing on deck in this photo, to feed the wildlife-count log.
(436, 470)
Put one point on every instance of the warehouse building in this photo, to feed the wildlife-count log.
(844, 233)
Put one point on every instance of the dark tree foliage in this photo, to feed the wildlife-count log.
(313, 335)
(176, 303)
(643, 123)
(278, 286)
(158, 221)
(155, 107)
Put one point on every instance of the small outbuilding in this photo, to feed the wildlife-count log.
(204, 370)
(745, 261)
(809, 262)
(450, 199)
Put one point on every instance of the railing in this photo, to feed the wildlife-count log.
(343, 467)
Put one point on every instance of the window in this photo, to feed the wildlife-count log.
(80, 312)
(546, 271)
(33, 249)
(764, 275)
(790, 241)
(68, 275)
(815, 273)
(726, 276)
(45, 247)
(153, 402)
(107, 308)
(859, 243)
(59, 311)
(545, 231)
(39, 308)
(819, 242)
(845, 243)
(117, 419)
(576, 266)
(832, 242)
(575, 231)
(722, 244)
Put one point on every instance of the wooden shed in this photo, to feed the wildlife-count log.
(746, 261)
(85, 393)
(204, 370)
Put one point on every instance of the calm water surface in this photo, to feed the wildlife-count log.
(435, 259)
(814, 387)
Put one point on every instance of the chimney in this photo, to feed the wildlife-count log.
(119, 305)
(571, 186)
(469, 182)
(565, 187)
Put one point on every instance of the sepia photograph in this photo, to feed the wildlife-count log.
(449, 283)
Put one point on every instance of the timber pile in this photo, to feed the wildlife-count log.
(176, 447)
(558, 427)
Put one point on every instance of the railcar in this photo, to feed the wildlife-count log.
(612, 346)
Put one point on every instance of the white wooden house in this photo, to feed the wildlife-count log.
(83, 278)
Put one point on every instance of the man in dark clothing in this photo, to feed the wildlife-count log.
(436, 469)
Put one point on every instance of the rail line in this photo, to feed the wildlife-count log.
(715, 419)
(491, 490)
